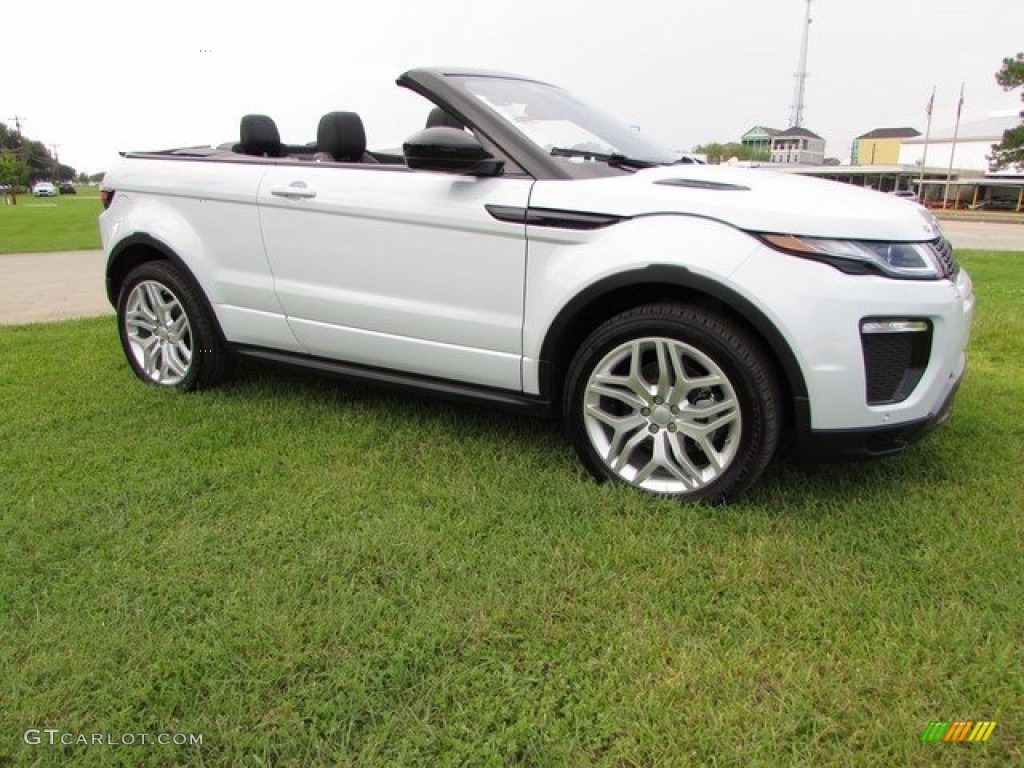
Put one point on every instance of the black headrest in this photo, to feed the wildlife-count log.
(259, 136)
(341, 135)
(439, 118)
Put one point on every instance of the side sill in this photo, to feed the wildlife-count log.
(441, 388)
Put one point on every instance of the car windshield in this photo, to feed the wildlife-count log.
(563, 125)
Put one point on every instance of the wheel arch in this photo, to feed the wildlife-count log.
(655, 283)
(141, 248)
(131, 252)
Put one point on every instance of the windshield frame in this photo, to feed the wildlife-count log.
(561, 124)
(443, 86)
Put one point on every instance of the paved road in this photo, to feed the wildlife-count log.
(987, 236)
(38, 287)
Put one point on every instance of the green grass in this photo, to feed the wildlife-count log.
(311, 573)
(62, 223)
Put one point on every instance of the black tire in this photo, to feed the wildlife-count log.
(167, 330)
(676, 400)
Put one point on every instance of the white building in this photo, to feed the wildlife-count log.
(973, 145)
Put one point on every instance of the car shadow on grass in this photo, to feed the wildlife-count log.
(788, 484)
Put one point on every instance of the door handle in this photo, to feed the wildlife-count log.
(295, 190)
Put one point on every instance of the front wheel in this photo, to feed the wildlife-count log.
(675, 400)
(167, 332)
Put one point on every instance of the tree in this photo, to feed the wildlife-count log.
(1010, 151)
(13, 173)
(40, 163)
(721, 153)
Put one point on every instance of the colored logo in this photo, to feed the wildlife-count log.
(958, 730)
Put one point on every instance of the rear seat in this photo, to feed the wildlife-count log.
(340, 139)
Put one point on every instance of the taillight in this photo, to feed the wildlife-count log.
(106, 197)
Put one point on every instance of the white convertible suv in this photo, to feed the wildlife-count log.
(529, 251)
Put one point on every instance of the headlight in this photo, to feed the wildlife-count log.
(860, 257)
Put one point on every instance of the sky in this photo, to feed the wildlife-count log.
(104, 76)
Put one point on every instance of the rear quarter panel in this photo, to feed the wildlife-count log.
(206, 213)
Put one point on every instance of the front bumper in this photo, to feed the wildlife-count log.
(826, 445)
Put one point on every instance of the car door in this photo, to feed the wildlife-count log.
(382, 266)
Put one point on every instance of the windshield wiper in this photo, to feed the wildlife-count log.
(614, 159)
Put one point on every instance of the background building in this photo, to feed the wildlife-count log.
(973, 144)
(798, 146)
(793, 146)
(759, 138)
(880, 146)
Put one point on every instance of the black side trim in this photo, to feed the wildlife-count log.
(550, 217)
(716, 186)
(442, 388)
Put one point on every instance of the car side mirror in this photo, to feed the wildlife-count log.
(451, 151)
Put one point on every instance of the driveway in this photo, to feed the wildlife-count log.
(39, 287)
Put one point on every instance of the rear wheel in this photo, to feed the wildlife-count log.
(674, 400)
(167, 332)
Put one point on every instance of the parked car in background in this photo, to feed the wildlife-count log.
(44, 189)
(66, 188)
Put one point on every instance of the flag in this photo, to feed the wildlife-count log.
(960, 104)
(930, 104)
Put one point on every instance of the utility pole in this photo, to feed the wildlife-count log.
(796, 114)
(17, 123)
(56, 161)
(19, 151)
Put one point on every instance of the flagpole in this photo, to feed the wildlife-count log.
(924, 157)
(952, 149)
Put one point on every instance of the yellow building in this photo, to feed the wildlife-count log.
(881, 146)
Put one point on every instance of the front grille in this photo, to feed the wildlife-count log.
(894, 364)
(947, 261)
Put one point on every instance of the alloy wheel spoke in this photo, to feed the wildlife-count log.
(703, 421)
(155, 303)
(140, 316)
(609, 389)
(688, 472)
(177, 363)
(622, 426)
(150, 354)
(179, 324)
(620, 458)
(664, 354)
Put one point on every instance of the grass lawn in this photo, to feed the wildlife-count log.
(62, 223)
(311, 573)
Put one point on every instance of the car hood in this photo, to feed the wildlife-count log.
(752, 199)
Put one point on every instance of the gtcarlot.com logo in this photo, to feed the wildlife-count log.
(58, 737)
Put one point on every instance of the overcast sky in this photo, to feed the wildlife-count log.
(101, 76)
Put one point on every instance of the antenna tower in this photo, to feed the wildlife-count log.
(796, 113)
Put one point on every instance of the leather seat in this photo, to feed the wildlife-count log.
(341, 136)
(259, 137)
